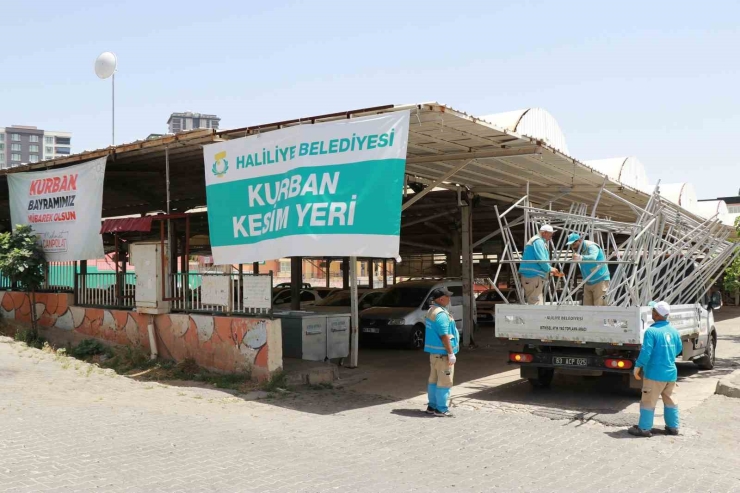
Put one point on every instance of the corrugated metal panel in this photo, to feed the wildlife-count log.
(537, 123)
(682, 194)
(709, 208)
(626, 170)
(142, 224)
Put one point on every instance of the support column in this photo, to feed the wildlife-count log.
(345, 273)
(296, 282)
(371, 273)
(327, 267)
(255, 268)
(454, 268)
(385, 272)
(395, 264)
(354, 331)
(467, 273)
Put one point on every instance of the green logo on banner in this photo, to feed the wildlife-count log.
(221, 165)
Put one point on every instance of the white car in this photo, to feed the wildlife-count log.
(398, 315)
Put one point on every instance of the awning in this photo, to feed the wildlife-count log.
(129, 224)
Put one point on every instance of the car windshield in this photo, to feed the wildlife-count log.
(403, 297)
(339, 298)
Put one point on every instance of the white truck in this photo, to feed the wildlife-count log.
(592, 340)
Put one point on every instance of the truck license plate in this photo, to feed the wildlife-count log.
(371, 330)
(558, 360)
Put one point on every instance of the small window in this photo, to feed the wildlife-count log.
(65, 141)
(15, 137)
(2, 137)
(49, 150)
(34, 158)
(33, 148)
(49, 140)
(734, 209)
(2, 157)
(15, 157)
(33, 138)
(15, 147)
(2, 147)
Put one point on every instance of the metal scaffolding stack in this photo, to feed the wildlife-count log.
(666, 254)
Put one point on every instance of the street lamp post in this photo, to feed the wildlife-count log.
(105, 66)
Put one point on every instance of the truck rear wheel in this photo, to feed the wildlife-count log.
(706, 362)
(543, 378)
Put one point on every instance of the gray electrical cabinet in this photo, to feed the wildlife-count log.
(337, 335)
(304, 335)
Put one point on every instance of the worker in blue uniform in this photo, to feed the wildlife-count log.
(534, 274)
(661, 345)
(597, 274)
(442, 342)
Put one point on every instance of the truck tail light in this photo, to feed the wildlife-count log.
(618, 364)
(520, 358)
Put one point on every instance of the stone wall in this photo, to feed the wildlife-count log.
(220, 343)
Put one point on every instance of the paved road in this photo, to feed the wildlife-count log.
(66, 426)
(483, 379)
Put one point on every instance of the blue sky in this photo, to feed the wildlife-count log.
(657, 80)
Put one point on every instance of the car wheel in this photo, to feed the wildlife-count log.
(417, 337)
(707, 361)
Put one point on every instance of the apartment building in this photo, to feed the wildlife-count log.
(181, 122)
(22, 144)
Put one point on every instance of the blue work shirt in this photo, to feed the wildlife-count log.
(442, 325)
(661, 345)
(591, 251)
(535, 249)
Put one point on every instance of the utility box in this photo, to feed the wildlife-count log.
(147, 258)
(337, 335)
(304, 335)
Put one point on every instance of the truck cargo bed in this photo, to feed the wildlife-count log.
(587, 324)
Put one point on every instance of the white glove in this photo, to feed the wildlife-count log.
(451, 359)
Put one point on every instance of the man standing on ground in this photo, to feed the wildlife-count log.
(534, 274)
(442, 342)
(597, 285)
(661, 346)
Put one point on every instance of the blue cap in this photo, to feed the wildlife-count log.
(572, 238)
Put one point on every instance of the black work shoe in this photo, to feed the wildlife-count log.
(445, 414)
(671, 431)
(430, 410)
(636, 431)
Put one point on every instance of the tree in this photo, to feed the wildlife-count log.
(22, 261)
(732, 274)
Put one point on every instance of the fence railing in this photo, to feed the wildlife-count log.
(226, 293)
(60, 276)
(106, 289)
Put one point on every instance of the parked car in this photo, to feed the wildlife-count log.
(286, 285)
(398, 315)
(308, 297)
(339, 301)
(486, 303)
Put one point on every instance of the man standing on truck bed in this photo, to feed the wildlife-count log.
(597, 285)
(442, 342)
(534, 274)
(661, 346)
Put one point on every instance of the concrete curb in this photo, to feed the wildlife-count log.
(729, 386)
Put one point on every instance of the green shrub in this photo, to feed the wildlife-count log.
(31, 337)
(89, 348)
